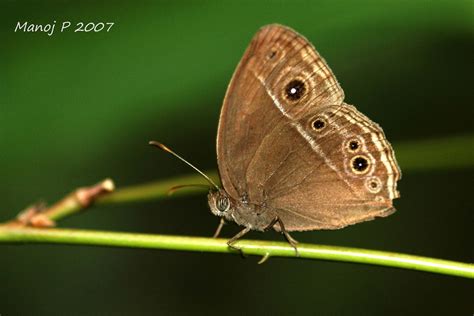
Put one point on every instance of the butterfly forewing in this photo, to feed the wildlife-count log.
(249, 111)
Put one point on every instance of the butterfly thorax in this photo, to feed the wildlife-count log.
(256, 217)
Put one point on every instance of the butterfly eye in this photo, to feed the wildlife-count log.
(360, 164)
(318, 124)
(223, 204)
(295, 89)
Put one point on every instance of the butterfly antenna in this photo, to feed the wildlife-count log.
(172, 190)
(164, 148)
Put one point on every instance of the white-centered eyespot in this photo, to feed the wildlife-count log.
(295, 90)
(352, 145)
(360, 164)
(318, 124)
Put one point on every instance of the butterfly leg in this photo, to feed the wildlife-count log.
(239, 235)
(293, 242)
(272, 223)
(219, 228)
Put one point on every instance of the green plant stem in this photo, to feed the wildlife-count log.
(249, 247)
(158, 189)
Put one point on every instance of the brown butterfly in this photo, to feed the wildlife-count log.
(292, 155)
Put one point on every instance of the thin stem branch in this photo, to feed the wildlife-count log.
(249, 247)
(79, 199)
(158, 189)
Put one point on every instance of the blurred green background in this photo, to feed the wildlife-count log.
(78, 107)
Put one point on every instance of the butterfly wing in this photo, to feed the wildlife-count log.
(327, 178)
(248, 113)
(271, 152)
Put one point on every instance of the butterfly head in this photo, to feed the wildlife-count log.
(220, 203)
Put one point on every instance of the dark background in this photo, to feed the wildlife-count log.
(78, 107)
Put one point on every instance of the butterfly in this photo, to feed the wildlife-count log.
(292, 155)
